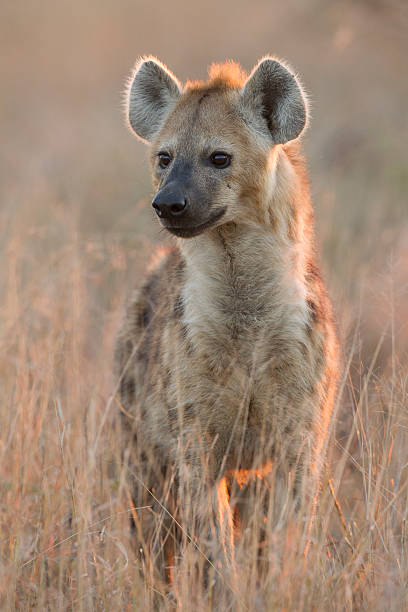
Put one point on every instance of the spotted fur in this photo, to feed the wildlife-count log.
(227, 356)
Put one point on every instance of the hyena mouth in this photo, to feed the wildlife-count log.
(189, 231)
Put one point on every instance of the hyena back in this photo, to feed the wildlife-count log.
(227, 356)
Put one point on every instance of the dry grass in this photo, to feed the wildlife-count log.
(65, 532)
(72, 243)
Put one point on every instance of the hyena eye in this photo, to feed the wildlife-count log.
(220, 159)
(164, 159)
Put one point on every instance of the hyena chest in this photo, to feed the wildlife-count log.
(240, 363)
(240, 327)
(243, 307)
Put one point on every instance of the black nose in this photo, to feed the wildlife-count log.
(169, 204)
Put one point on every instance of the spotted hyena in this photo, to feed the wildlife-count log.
(226, 358)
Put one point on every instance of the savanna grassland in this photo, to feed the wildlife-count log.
(77, 234)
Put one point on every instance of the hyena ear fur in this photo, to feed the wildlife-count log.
(273, 92)
(152, 94)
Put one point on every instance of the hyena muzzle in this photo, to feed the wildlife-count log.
(226, 360)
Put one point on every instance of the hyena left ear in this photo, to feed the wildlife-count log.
(152, 94)
(273, 92)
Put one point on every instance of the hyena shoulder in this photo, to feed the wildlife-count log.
(146, 317)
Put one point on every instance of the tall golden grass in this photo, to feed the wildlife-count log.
(66, 541)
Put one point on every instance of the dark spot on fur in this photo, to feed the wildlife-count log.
(312, 272)
(292, 230)
(178, 309)
(288, 429)
(303, 346)
(184, 331)
(145, 316)
(203, 96)
(320, 357)
(127, 389)
(184, 335)
(171, 415)
(144, 459)
(129, 348)
(188, 409)
(251, 411)
(149, 286)
(313, 311)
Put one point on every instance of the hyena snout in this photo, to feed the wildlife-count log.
(171, 202)
(184, 213)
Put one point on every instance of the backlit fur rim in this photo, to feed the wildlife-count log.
(128, 84)
(212, 69)
(297, 78)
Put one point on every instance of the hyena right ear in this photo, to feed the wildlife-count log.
(275, 95)
(152, 94)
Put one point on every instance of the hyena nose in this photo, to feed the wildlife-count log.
(169, 205)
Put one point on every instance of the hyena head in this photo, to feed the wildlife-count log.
(211, 143)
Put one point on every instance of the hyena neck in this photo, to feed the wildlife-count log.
(247, 279)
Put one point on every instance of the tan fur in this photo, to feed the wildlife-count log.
(227, 355)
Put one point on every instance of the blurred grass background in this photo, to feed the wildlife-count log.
(77, 233)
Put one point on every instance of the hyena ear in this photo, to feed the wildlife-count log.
(152, 94)
(273, 92)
